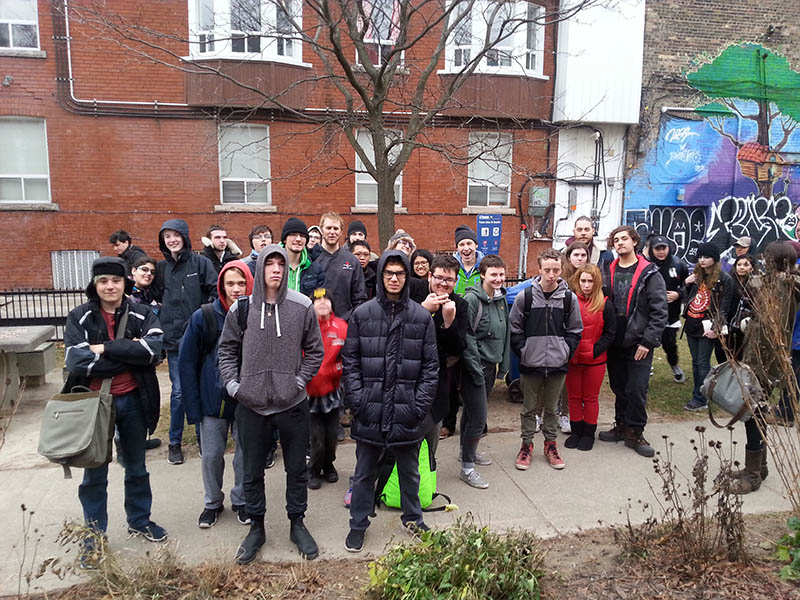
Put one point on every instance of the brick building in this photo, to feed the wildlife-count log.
(716, 76)
(95, 136)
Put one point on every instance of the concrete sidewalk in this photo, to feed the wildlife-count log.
(592, 491)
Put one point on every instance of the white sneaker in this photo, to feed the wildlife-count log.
(538, 427)
(563, 423)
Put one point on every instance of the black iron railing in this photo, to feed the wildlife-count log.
(39, 307)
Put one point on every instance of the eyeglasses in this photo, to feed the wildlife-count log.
(399, 275)
(145, 270)
(447, 280)
(405, 243)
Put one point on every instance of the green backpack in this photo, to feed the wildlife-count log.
(388, 485)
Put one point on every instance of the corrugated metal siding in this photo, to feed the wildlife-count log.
(72, 268)
(599, 72)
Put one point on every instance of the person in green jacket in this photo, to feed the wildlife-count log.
(469, 258)
(488, 345)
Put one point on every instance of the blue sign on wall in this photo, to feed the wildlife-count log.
(489, 229)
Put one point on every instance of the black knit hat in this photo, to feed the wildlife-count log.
(294, 225)
(323, 293)
(464, 232)
(109, 265)
(708, 250)
(356, 226)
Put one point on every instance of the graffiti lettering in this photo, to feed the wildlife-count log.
(686, 155)
(678, 135)
(764, 220)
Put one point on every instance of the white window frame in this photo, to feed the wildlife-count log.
(276, 43)
(23, 177)
(517, 58)
(9, 24)
(380, 42)
(245, 181)
(365, 181)
(494, 153)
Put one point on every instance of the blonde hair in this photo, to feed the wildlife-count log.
(333, 216)
(596, 300)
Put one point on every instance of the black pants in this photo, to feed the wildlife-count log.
(324, 427)
(629, 380)
(669, 341)
(255, 437)
(451, 417)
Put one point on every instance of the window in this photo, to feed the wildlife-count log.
(252, 29)
(509, 34)
(366, 186)
(382, 29)
(24, 170)
(244, 164)
(489, 169)
(72, 268)
(19, 24)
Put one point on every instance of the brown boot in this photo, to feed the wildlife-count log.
(750, 479)
(764, 467)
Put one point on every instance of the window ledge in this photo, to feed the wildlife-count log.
(373, 210)
(521, 74)
(401, 70)
(488, 210)
(245, 208)
(28, 206)
(22, 53)
(244, 58)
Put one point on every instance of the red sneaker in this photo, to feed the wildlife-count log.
(551, 454)
(524, 457)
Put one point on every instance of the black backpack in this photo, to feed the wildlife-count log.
(568, 299)
(212, 331)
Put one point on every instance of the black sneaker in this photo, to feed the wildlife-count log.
(354, 541)
(615, 434)
(415, 529)
(150, 531)
(152, 443)
(175, 456)
(314, 481)
(208, 518)
(241, 514)
(331, 476)
(270, 459)
(301, 538)
(694, 405)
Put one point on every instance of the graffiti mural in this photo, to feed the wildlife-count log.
(732, 167)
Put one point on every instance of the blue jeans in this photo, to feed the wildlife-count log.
(176, 413)
(701, 349)
(93, 491)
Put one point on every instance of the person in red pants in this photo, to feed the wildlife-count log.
(587, 368)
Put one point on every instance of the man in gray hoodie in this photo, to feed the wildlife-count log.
(266, 367)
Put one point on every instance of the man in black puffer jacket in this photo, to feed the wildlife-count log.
(390, 376)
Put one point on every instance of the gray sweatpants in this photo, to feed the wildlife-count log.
(214, 433)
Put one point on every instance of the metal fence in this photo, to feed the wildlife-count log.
(39, 307)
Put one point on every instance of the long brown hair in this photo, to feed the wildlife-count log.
(596, 300)
(708, 276)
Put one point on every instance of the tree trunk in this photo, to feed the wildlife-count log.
(386, 226)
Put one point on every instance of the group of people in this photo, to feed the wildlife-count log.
(273, 347)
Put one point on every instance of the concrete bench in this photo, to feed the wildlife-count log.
(16, 341)
(33, 366)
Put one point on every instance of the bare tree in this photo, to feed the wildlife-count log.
(396, 67)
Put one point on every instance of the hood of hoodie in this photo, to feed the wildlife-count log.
(380, 291)
(91, 289)
(181, 227)
(259, 285)
(478, 258)
(248, 277)
(661, 264)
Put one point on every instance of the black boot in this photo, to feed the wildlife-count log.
(574, 437)
(248, 549)
(750, 479)
(303, 540)
(586, 442)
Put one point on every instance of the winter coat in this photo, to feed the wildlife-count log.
(344, 279)
(391, 366)
(211, 255)
(266, 367)
(369, 281)
(599, 329)
(182, 285)
(202, 390)
(674, 271)
(131, 255)
(307, 277)
(464, 278)
(86, 326)
(647, 304)
(147, 297)
(721, 298)
(546, 338)
(488, 341)
(334, 334)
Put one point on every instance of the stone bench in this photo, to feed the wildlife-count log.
(19, 341)
(33, 366)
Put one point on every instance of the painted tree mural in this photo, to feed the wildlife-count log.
(752, 83)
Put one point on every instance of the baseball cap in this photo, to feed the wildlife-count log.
(744, 242)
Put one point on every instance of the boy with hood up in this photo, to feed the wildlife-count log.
(204, 397)
(184, 281)
(390, 376)
(266, 367)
